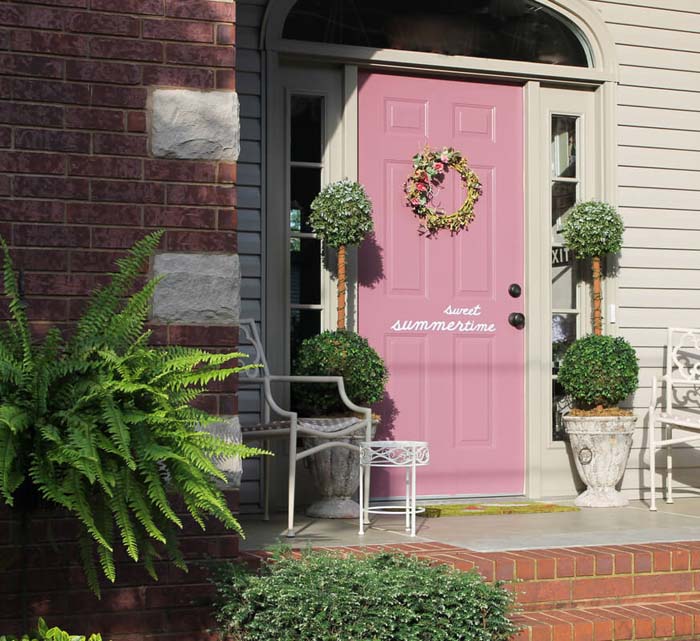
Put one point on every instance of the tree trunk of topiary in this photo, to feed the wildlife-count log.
(341, 287)
(597, 297)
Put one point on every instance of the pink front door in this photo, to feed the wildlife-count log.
(437, 308)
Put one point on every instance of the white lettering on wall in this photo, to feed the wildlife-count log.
(463, 311)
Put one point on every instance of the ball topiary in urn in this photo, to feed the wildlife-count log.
(598, 372)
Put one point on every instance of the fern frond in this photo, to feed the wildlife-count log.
(88, 560)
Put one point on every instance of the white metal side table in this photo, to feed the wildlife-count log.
(406, 454)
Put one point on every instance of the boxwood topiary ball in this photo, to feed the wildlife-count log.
(599, 370)
(338, 353)
(593, 228)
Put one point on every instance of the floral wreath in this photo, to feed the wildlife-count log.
(429, 169)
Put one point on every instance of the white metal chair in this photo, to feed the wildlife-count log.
(289, 426)
(681, 379)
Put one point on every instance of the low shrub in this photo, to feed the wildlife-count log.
(384, 597)
(44, 633)
(338, 353)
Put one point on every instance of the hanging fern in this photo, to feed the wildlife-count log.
(102, 424)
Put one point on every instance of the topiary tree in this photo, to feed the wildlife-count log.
(339, 353)
(341, 215)
(599, 371)
(593, 229)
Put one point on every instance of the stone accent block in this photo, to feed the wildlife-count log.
(195, 125)
(197, 289)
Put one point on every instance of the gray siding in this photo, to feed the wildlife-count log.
(250, 227)
(658, 45)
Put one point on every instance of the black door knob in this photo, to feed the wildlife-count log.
(516, 319)
(515, 290)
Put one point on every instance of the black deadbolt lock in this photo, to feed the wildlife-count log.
(516, 319)
(515, 290)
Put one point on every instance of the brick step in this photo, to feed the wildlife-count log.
(640, 622)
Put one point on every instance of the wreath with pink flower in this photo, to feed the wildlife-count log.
(429, 170)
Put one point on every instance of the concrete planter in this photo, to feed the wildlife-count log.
(335, 471)
(601, 446)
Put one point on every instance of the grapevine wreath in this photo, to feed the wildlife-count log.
(429, 169)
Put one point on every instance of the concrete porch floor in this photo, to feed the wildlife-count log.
(615, 526)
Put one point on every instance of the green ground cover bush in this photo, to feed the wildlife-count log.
(383, 597)
(44, 633)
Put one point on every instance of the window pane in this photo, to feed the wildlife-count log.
(305, 185)
(563, 334)
(305, 285)
(304, 324)
(563, 199)
(560, 406)
(563, 279)
(506, 29)
(306, 128)
(563, 147)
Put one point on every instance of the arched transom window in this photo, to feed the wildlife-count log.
(522, 30)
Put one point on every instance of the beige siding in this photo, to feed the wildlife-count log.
(658, 44)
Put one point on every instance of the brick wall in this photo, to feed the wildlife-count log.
(78, 185)
(175, 608)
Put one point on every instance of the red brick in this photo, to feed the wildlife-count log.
(180, 170)
(202, 55)
(24, 65)
(5, 136)
(225, 34)
(662, 560)
(120, 144)
(115, 237)
(101, 214)
(203, 10)
(102, 23)
(72, 141)
(201, 241)
(226, 172)
(104, 167)
(604, 564)
(146, 7)
(228, 219)
(92, 118)
(642, 561)
(178, 30)
(136, 121)
(663, 583)
(16, 113)
(5, 185)
(61, 44)
(680, 559)
(32, 210)
(131, 97)
(13, 15)
(126, 49)
(201, 195)
(225, 79)
(228, 404)
(114, 72)
(203, 335)
(5, 88)
(17, 162)
(127, 192)
(51, 236)
(602, 587)
(94, 261)
(51, 187)
(76, 4)
(50, 91)
(47, 309)
(4, 39)
(178, 77)
(196, 218)
(59, 284)
(43, 259)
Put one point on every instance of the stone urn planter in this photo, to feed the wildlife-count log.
(601, 446)
(336, 470)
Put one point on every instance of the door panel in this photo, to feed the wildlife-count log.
(437, 308)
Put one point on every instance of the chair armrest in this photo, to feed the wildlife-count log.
(269, 399)
(338, 380)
